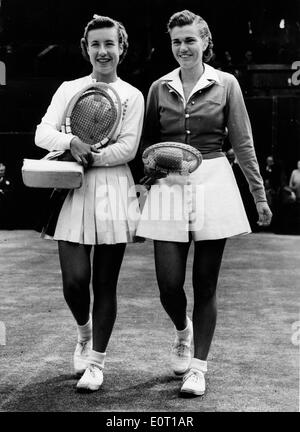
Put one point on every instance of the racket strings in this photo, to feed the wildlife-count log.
(169, 159)
(172, 160)
(93, 116)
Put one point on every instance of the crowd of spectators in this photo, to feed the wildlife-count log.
(282, 191)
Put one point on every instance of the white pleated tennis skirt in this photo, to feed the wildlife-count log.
(104, 210)
(206, 205)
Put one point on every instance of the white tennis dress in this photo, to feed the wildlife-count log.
(104, 210)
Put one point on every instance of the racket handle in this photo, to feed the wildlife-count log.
(147, 181)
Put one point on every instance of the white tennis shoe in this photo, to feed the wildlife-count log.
(80, 356)
(91, 380)
(193, 383)
(181, 352)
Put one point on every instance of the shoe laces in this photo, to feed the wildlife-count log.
(93, 370)
(193, 375)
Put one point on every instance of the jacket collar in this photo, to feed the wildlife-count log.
(208, 77)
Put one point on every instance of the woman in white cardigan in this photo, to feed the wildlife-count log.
(103, 213)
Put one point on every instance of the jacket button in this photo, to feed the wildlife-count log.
(188, 132)
(187, 116)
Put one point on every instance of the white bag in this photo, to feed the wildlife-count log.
(45, 173)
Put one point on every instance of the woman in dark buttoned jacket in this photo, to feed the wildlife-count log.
(197, 105)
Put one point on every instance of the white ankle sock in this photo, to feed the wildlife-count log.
(198, 364)
(185, 334)
(84, 332)
(97, 358)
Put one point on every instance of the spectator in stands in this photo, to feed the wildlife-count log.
(228, 66)
(273, 176)
(295, 181)
(289, 205)
(244, 75)
(248, 58)
(274, 181)
(6, 200)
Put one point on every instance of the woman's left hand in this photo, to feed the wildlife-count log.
(264, 213)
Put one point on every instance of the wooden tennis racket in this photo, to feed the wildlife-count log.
(169, 157)
(93, 115)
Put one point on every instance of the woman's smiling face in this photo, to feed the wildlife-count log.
(104, 52)
(188, 46)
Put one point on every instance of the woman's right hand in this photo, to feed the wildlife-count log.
(81, 152)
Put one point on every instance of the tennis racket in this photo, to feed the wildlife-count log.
(93, 115)
(169, 157)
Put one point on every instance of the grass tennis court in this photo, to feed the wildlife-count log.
(253, 362)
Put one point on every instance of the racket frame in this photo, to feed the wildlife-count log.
(169, 144)
(66, 124)
(149, 180)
